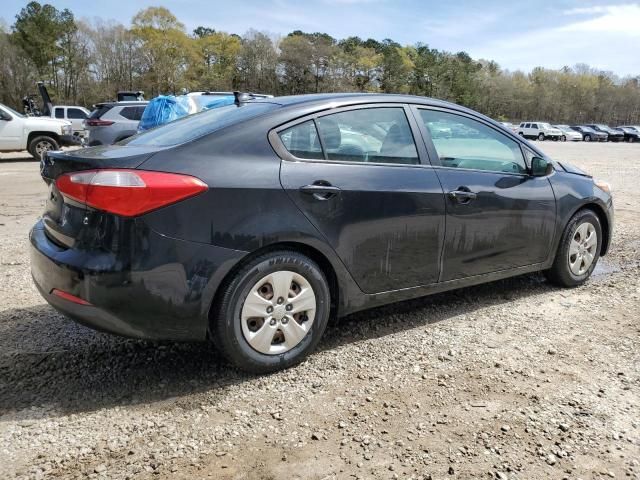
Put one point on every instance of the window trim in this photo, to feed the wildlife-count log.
(277, 144)
(433, 153)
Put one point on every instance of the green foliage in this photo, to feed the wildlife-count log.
(85, 63)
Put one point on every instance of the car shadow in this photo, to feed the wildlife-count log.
(51, 366)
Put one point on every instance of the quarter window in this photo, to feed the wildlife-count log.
(302, 141)
(465, 143)
(377, 135)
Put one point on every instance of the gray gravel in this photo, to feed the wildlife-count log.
(514, 379)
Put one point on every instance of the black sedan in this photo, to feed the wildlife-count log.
(631, 135)
(254, 223)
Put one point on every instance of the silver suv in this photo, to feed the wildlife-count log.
(111, 122)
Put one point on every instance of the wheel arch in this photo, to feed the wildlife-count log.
(604, 223)
(38, 133)
(313, 253)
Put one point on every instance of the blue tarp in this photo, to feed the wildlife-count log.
(163, 109)
(166, 108)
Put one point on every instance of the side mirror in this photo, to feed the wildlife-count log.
(540, 167)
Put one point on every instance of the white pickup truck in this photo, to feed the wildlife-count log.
(37, 135)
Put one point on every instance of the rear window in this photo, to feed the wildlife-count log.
(76, 113)
(133, 113)
(99, 111)
(199, 124)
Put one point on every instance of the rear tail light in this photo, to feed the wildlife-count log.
(128, 193)
(93, 122)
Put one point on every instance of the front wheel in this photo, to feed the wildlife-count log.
(541, 137)
(272, 313)
(578, 251)
(563, 138)
(40, 145)
(587, 138)
(631, 139)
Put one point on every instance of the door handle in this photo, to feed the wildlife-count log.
(462, 195)
(320, 191)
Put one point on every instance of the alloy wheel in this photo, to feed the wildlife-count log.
(278, 312)
(582, 250)
(42, 147)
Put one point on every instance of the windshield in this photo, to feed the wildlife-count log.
(197, 125)
(12, 111)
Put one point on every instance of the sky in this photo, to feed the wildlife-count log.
(517, 34)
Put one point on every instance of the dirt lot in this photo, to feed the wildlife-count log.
(514, 379)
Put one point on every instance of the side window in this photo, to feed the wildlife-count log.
(534, 126)
(528, 125)
(132, 113)
(462, 142)
(59, 112)
(376, 135)
(76, 113)
(302, 141)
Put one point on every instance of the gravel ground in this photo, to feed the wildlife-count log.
(513, 379)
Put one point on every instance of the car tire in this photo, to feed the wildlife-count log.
(572, 266)
(587, 138)
(41, 144)
(236, 333)
(563, 138)
(541, 137)
(521, 134)
(631, 139)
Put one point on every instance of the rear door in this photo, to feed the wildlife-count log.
(498, 217)
(362, 180)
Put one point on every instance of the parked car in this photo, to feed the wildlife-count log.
(634, 127)
(630, 134)
(539, 131)
(74, 114)
(589, 134)
(612, 135)
(111, 122)
(251, 224)
(37, 135)
(568, 133)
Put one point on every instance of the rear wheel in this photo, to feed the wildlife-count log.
(578, 251)
(563, 138)
(541, 137)
(40, 145)
(631, 139)
(272, 313)
(587, 138)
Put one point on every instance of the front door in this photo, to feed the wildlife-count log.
(357, 176)
(498, 216)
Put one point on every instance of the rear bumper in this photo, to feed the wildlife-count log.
(165, 293)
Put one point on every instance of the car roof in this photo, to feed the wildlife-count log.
(121, 104)
(334, 100)
(70, 106)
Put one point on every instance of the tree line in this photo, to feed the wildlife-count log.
(85, 62)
